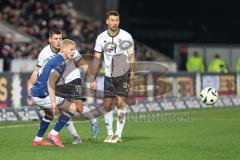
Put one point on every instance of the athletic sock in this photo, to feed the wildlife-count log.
(71, 128)
(87, 113)
(62, 121)
(121, 119)
(109, 122)
(43, 128)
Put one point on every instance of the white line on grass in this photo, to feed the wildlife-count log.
(31, 125)
(18, 126)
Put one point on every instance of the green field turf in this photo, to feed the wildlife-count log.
(212, 134)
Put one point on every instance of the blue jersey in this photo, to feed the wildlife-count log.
(55, 62)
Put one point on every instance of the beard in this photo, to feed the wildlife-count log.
(113, 29)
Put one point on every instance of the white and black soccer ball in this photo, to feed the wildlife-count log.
(209, 96)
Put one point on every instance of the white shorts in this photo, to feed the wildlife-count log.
(46, 102)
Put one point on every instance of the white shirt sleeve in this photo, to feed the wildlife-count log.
(98, 47)
(77, 56)
(131, 49)
(41, 58)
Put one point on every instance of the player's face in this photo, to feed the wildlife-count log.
(55, 40)
(113, 22)
(70, 50)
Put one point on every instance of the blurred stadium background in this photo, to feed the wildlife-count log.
(168, 33)
(165, 32)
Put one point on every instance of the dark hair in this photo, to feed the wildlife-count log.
(112, 13)
(55, 31)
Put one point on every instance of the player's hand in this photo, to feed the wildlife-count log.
(29, 89)
(56, 111)
(93, 86)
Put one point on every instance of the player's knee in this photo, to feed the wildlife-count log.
(108, 107)
(72, 108)
(48, 113)
(78, 106)
(121, 104)
(49, 117)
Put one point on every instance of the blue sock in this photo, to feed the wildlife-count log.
(62, 120)
(43, 126)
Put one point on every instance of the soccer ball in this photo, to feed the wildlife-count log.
(209, 95)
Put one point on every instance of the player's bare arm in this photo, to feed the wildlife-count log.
(51, 89)
(33, 79)
(132, 68)
(84, 64)
(94, 69)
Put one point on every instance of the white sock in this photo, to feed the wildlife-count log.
(87, 113)
(72, 130)
(121, 119)
(109, 122)
(54, 132)
(93, 120)
(37, 139)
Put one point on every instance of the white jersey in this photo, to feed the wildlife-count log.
(116, 52)
(71, 72)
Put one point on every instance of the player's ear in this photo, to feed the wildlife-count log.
(107, 21)
(49, 40)
(62, 49)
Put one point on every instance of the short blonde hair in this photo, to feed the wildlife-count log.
(67, 42)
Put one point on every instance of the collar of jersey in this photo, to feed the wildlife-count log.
(52, 49)
(115, 34)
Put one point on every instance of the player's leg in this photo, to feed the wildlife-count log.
(94, 124)
(46, 120)
(69, 109)
(121, 86)
(107, 102)
(121, 119)
(45, 103)
(108, 117)
(72, 130)
(65, 91)
(73, 91)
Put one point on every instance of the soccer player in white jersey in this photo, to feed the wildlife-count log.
(117, 47)
(55, 39)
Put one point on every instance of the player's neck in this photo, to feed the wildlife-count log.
(62, 54)
(113, 33)
(54, 50)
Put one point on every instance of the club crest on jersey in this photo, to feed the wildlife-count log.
(110, 47)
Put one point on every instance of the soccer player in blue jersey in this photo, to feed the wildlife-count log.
(72, 77)
(43, 91)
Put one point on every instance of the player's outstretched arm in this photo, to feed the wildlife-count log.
(33, 79)
(51, 90)
(132, 68)
(92, 71)
(83, 63)
(94, 66)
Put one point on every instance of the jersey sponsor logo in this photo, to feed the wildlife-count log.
(110, 47)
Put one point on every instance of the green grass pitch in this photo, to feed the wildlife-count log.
(212, 134)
